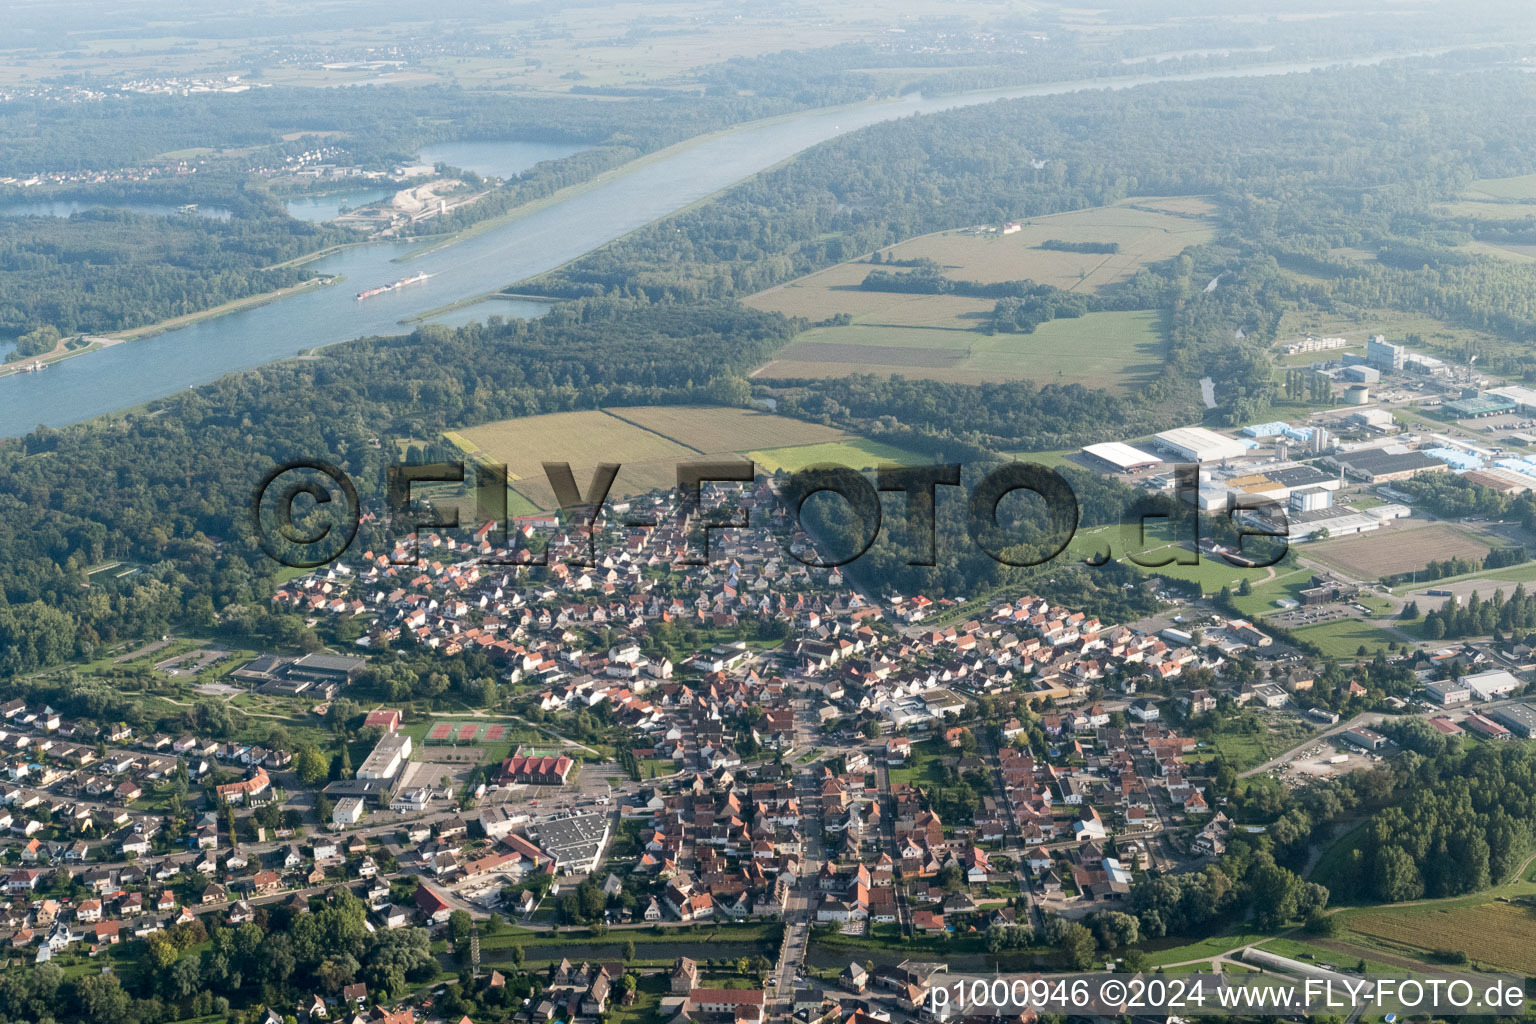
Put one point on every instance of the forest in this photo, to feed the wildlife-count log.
(1459, 822)
(104, 270)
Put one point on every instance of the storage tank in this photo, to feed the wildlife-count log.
(1359, 394)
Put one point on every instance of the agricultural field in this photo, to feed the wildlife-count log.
(1147, 231)
(1517, 188)
(1401, 547)
(598, 45)
(857, 453)
(711, 429)
(1496, 199)
(650, 442)
(937, 336)
(1501, 933)
(1118, 351)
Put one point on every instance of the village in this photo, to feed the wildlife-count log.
(880, 770)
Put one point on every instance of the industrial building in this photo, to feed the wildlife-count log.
(1383, 355)
(1519, 719)
(1378, 420)
(1336, 520)
(1492, 684)
(1524, 398)
(1502, 480)
(1448, 693)
(1121, 457)
(1310, 499)
(1197, 444)
(1377, 465)
(1369, 739)
(1478, 406)
(1360, 374)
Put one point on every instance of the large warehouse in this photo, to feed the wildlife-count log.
(1196, 444)
(1121, 456)
(1376, 466)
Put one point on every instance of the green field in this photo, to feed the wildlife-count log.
(1504, 578)
(1204, 949)
(1211, 573)
(1146, 231)
(1345, 959)
(858, 453)
(1342, 637)
(1520, 187)
(1117, 351)
(1247, 750)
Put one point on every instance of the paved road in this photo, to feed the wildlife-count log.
(801, 904)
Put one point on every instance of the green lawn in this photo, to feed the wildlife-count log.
(1287, 583)
(1203, 949)
(1308, 953)
(1243, 750)
(922, 768)
(1342, 637)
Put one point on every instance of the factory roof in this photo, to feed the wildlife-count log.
(1121, 455)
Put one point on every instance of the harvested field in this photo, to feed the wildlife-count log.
(649, 443)
(1397, 548)
(714, 429)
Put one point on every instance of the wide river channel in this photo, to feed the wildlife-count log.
(135, 372)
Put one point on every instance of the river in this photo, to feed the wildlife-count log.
(129, 374)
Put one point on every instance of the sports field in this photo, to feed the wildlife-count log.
(1396, 548)
(1117, 351)
(650, 442)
